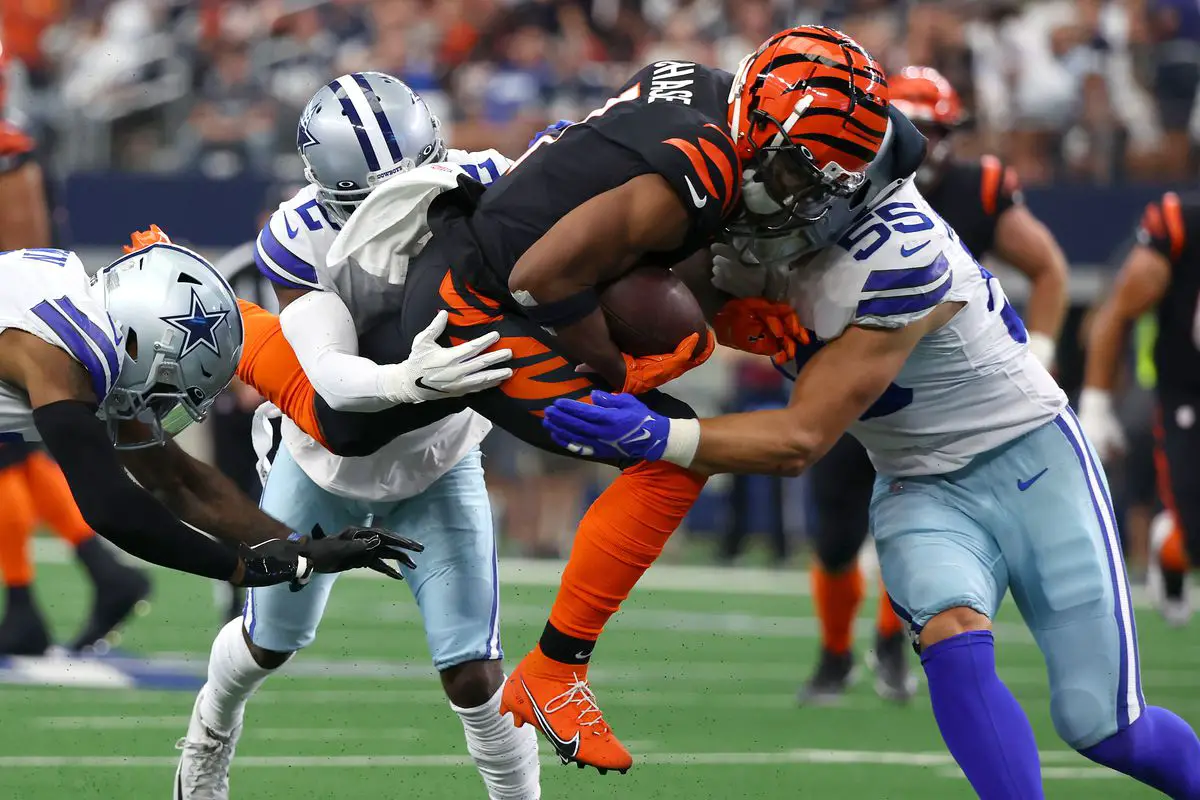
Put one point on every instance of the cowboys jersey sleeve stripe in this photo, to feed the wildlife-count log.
(104, 342)
(910, 302)
(281, 265)
(77, 344)
(910, 278)
(485, 171)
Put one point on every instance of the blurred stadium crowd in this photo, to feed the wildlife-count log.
(1066, 91)
(1086, 90)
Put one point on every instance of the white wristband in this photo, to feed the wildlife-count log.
(1043, 348)
(683, 439)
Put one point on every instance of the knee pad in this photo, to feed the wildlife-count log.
(1083, 715)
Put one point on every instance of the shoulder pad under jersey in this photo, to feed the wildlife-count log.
(293, 244)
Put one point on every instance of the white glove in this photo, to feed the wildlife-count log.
(1100, 423)
(733, 275)
(433, 372)
(1042, 348)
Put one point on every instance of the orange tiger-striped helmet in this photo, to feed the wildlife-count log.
(808, 113)
(925, 96)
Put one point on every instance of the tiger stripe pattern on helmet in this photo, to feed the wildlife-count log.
(819, 88)
(925, 96)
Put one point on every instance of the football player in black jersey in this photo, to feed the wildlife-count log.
(981, 200)
(653, 176)
(1161, 272)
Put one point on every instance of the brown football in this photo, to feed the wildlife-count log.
(650, 311)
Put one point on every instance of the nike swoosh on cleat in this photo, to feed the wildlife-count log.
(582, 654)
(697, 199)
(567, 749)
(1023, 485)
(906, 251)
(291, 232)
(421, 384)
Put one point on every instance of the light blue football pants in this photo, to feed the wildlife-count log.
(455, 583)
(1033, 517)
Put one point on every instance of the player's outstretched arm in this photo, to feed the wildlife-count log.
(556, 279)
(64, 411)
(836, 387)
(321, 331)
(200, 495)
(1025, 243)
(203, 497)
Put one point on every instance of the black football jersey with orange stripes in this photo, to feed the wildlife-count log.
(971, 196)
(1171, 226)
(670, 119)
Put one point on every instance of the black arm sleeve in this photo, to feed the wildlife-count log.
(116, 507)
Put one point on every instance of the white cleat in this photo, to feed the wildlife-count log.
(1177, 613)
(1170, 594)
(203, 772)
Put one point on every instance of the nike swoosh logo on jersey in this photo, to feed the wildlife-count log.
(697, 199)
(292, 232)
(567, 749)
(421, 384)
(1023, 485)
(906, 251)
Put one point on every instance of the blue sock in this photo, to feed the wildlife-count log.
(1159, 749)
(983, 726)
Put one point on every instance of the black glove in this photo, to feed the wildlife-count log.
(357, 547)
(275, 561)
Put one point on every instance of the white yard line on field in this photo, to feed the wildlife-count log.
(850, 758)
(663, 577)
(126, 722)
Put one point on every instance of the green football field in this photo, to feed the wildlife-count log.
(697, 675)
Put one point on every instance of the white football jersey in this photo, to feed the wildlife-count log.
(969, 386)
(49, 294)
(365, 264)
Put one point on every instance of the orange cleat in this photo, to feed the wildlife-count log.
(556, 699)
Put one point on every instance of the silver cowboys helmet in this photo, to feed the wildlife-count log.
(181, 332)
(360, 130)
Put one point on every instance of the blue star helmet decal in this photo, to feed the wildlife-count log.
(198, 326)
(303, 137)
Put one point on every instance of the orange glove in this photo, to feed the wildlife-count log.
(756, 325)
(140, 239)
(650, 372)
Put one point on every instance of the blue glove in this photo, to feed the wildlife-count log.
(613, 426)
(551, 130)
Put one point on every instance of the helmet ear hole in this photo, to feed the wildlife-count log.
(131, 344)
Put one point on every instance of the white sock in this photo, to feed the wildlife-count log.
(506, 757)
(233, 675)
